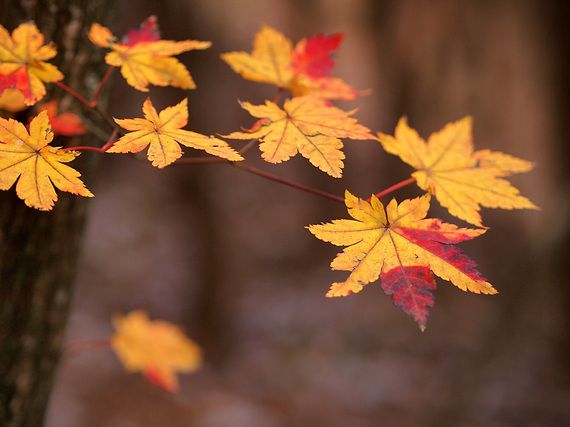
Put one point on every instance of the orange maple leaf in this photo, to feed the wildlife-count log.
(164, 134)
(22, 62)
(157, 348)
(380, 242)
(308, 125)
(302, 70)
(460, 179)
(146, 60)
(36, 165)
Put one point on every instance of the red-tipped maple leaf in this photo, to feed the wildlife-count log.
(156, 348)
(380, 241)
(22, 62)
(145, 59)
(302, 70)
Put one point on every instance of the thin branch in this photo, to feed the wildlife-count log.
(395, 187)
(89, 104)
(74, 94)
(198, 160)
(248, 146)
(103, 81)
(112, 139)
(275, 178)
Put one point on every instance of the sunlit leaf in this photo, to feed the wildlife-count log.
(35, 165)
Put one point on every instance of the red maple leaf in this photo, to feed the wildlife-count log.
(312, 57)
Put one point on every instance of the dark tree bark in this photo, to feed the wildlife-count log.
(39, 250)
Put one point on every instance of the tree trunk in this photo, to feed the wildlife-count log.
(39, 250)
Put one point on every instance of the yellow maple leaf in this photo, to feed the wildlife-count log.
(460, 179)
(379, 241)
(269, 60)
(157, 348)
(36, 165)
(22, 62)
(162, 131)
(308, 125)
(147, 61)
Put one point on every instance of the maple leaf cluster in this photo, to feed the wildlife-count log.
(307, 123)
(394, 243)
(143, 59)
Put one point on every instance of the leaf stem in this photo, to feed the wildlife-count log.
(395, 187)
(278, 95)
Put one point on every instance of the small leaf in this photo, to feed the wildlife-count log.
(460, 179)
(162, 132)
(36, 165)
(22, 62)
(157, 348)
(144, 59)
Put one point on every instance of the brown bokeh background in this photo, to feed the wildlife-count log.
(225, 254)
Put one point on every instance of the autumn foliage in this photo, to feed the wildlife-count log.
(396, 243)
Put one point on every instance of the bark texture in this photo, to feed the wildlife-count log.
(39, 250)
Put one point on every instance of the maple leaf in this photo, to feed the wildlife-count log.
(460, 179)
(36, 165)
(68, 124)
(302, 70)
(308, 125)
(386, 244)
(22, 62)
(164, 134)
(157, 348)
(144, 58)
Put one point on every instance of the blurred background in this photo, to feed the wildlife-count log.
(225, 254)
